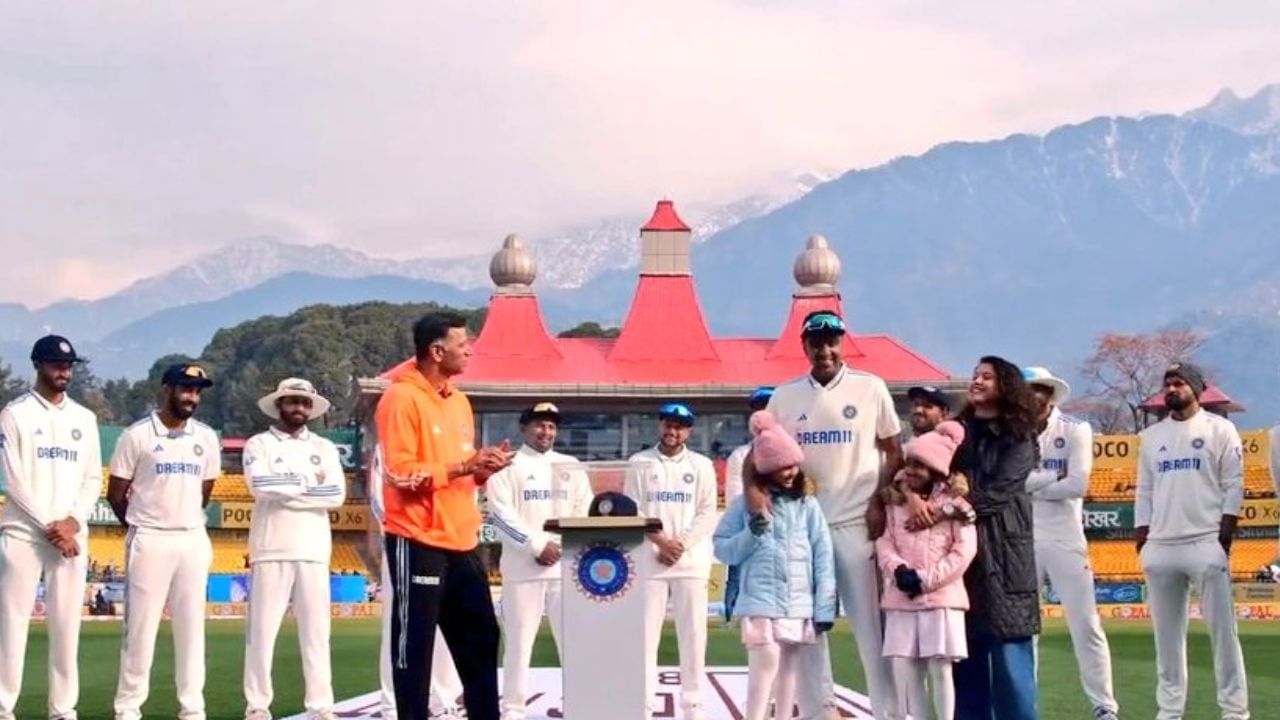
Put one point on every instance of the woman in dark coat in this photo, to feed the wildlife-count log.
(998, 680)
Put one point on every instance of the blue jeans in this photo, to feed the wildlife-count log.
(997, 681)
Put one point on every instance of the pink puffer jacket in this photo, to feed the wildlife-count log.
(940, 554)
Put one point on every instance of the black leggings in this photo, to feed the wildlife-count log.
(432, 587)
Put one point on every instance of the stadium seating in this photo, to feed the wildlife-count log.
(231, 488)
(1257, 482)
(1112, 485)
(346, 554)
(1117, 560)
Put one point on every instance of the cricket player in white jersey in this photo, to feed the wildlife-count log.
(162, 474)
(1057, 490)
(446, 685)
(758, 400)
(1190, 489)
(538, 485)
(295, 477)
(678, 486)
(847, 426)
(53, 470)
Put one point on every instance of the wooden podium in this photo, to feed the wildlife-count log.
(603, 630)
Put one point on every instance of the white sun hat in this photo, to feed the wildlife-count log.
(1042, 376)
(294, 387)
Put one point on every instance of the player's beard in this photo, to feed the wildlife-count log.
(182, 410)
(1174, 402)
(293, 421)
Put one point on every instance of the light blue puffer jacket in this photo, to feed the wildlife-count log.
(788, 571)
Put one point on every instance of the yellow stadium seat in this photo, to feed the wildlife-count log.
(232, 488)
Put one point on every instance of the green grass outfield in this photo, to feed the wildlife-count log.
(355, 655)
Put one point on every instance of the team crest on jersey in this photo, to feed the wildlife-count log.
(1198, 443)
(76, 434)
(850, 412)
(1059, 443)
(315, 459)
(688, 478)
(198, 450)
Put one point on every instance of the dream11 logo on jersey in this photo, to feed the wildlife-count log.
(724, 692)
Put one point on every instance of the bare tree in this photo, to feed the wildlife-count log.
(1125, 370)
(1106, 417)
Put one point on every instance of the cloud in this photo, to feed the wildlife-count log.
(156, 133)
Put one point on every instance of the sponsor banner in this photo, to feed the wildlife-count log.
(1260, 513)
(1105, 593)
(103, 516)
(239, 516)
(724, 697)
(1256, 592)
(336, 610)
(1121, 451)
(1134, 611)
(1102, 517)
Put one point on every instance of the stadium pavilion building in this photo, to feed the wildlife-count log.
(609, 389)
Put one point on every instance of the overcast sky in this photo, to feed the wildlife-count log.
(136, 135)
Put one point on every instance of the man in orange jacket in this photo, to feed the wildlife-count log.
(431, 523)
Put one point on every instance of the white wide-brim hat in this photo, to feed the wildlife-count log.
(1042, 376)
(294, 387)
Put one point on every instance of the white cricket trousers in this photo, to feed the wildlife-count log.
(446, 685)
(913, 696)
(858, 586)
(689, 608)
(21, 564)
(771, 672)
(523, 605)
(1171, 571)
(272, 585)
(164, 567)
(1067, 569)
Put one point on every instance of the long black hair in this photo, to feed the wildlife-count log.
(1016, 409)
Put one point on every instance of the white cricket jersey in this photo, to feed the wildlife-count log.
(1066, 445)
(1190, 474)
(168, 469)
(52, 464)
(295, 480)
(534, 488)
(733, 472)
(681, 492)
(837, 426)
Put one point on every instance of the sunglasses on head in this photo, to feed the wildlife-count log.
(676, 411)
(824, 323)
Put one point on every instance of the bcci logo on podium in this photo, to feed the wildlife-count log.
(603, 571)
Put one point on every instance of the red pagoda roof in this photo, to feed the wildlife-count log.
(664, 323)
(665, 218)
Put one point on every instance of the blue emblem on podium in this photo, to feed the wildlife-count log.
(602, 571)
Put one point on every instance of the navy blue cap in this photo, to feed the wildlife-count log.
(54, 348)
(540, 411)
(612, 504)
(931, 395)
(679, 412)
(186, 375)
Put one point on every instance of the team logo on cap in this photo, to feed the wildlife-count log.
(315, 459)
(688, 478)
(606, 506)
(1060, 443)
(850, 412)
(1198, 443)
(64, 346)
(76, 434)
(198, 450)
(602, 571)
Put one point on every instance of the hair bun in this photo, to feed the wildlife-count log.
(761, 420)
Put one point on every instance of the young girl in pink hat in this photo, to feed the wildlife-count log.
(924, 597)
(787, 590)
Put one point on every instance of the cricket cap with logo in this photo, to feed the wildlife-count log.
(1035, 375)
(186, 375)
(294, 387)
(613, 504)
(540, 411)
(54, 348)
(931, 395)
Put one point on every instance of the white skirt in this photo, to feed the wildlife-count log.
(936, 633)
(760, 631)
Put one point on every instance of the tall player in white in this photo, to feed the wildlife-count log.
(162, 474)
(538, 485)
(758, 400)
(846, 423)
(295, 477)
(53, 468)
(446, 685)
(1057, 490)
(678, 486)
(1190, 490)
